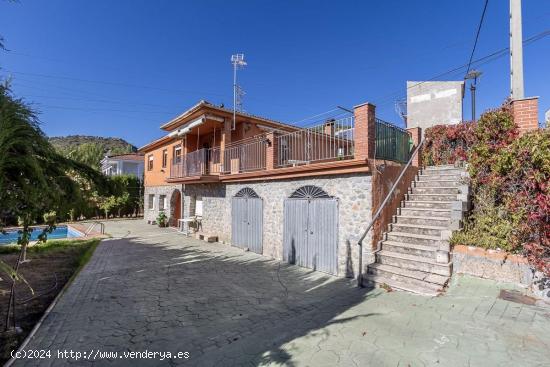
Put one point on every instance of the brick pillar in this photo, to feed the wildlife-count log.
(364, 132)
(416, 136)
(526, 114)
(225, 140)
(271, 151)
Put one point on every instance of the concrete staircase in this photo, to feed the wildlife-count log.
(414, 254)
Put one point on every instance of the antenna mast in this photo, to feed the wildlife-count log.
(401, 109)
(238, 63)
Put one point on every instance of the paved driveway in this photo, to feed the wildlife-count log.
(153, 290)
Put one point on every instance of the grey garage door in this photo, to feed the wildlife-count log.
(247, 220)
(311, 230)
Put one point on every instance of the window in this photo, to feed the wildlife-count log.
(150, 163)
(151, 203)
(198, 206)
(162, 202)
(164, 158)
(177, 154)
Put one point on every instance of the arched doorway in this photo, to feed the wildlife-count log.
(175, 208)
(311, 229)
(247, 220)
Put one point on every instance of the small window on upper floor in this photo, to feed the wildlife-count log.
(164, 158)
(150, 162)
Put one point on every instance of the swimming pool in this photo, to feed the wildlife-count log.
(60, 232)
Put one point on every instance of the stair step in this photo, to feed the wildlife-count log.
(413, 262)
(431, 197)
(417, 229)
(425, 212)
(423, 220)
(400, 285)
(441, 177)
(410, 249)
(436, 279)
(437, 183)
(438, 167)
(444, 171)
(417, 239)
(435, 190)
(427, 204)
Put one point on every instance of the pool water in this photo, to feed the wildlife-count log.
(60, 232)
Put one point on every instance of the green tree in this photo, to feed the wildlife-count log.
(34, 178)
(90, 154)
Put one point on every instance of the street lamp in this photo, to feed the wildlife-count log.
(473, 75)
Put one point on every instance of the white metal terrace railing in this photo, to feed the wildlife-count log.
(197, 163)
(333, 140)
(246, 156)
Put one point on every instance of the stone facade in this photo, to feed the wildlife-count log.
(150, 214)
(353, 192)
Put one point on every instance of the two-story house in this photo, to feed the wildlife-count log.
(302, 195)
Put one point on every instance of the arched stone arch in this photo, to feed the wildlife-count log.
(310, 192)
(246, 192)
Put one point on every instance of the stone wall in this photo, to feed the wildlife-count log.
(353, 192)
(491, 264)
(149, 214)
(500, 266)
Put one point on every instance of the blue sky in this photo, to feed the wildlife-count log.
(122, 68)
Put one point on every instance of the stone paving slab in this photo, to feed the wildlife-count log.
(156, 290)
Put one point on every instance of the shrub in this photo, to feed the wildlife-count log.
(162, 219)
(510, 183)
(447, 144)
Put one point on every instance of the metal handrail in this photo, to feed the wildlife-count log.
(101, 225)
(379, 212)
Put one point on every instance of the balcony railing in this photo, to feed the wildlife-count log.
(197, 163)
(392, 143)
(331, 141)
(246, 156)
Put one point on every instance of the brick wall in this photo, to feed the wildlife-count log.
(526, 114)
(383, 178)
(416, 136)
(364, 131)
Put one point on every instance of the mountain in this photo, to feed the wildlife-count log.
(90, 149)
(67, 143)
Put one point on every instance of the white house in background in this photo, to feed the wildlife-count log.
(123, 164)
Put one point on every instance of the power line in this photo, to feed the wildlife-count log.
(477, 35)
(482, 60)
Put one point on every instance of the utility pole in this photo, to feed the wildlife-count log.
(516, 51)
(238, 63)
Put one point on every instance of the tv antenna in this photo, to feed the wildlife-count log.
(238, 93)
(401, 109)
